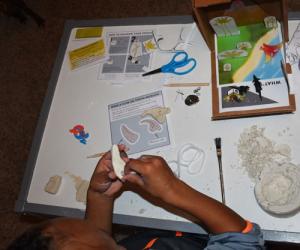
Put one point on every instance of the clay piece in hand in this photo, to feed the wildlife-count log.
(117, 162)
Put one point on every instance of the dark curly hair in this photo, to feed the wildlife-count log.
(32, 239)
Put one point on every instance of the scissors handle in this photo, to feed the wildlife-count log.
(178, 62)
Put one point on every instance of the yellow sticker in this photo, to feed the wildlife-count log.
(150, 45)
(88, 32)
(87, 54)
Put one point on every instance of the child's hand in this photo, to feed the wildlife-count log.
(153, 174)
(104, 181)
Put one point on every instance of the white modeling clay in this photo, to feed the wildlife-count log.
(53, 184)
(117, 162)
(81, 190)
(131, 136)
(81, 187)
(256, 151)
(159, 114)
(136, 49)
(278, 190)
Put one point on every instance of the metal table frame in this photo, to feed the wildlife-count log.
(23, 206)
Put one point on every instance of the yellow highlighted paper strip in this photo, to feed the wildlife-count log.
(88, 32)
(87, 54)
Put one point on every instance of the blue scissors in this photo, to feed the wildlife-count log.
(179, 60)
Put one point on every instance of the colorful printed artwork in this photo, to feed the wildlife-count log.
(256, 51)
(270, 50)
(250, 75)
(79, 133)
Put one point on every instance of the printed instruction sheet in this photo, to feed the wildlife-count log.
(130, 125)
(128, 56)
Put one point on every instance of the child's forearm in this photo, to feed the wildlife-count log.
(99, 211)
(216, 217)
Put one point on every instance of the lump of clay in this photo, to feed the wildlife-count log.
(278, 190)
(53, 184)
(283, 149)
(159, 113)
(117, 162)
(81, 187)
(81, 190)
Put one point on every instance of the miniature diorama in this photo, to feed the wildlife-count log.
(249, 72)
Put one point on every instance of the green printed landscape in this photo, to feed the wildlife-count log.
(250, 33)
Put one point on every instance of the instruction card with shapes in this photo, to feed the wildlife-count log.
(129, 55)
(250, 75)
(131, 127)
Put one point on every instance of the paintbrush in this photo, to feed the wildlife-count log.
(219, 155)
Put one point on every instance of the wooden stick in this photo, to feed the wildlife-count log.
(195, 84)
(96, 155)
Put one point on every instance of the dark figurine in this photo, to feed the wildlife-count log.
(257, 85)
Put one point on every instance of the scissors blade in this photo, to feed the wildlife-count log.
(152, 72)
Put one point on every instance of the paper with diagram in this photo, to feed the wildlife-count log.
(129, 55)
(132, 123)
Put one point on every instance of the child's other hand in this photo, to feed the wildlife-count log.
(104, 181)
(152, 174)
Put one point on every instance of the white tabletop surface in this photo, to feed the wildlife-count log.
(80, 98)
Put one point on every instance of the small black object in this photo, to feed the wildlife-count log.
(257, 85)
(197, 90)
(218, 143)
(191, 100)
(242, 89)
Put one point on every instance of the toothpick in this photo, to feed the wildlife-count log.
(96, 155)
(195, 84)
(102, 153)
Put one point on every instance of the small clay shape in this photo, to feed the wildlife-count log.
(81, 191)
(117, 162)
(159, 113)
(53, 184)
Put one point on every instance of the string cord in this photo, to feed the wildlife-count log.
(184, 159)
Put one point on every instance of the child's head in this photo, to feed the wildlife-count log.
(64, 234)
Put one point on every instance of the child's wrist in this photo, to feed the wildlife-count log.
(171, 196)
(93, 195)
